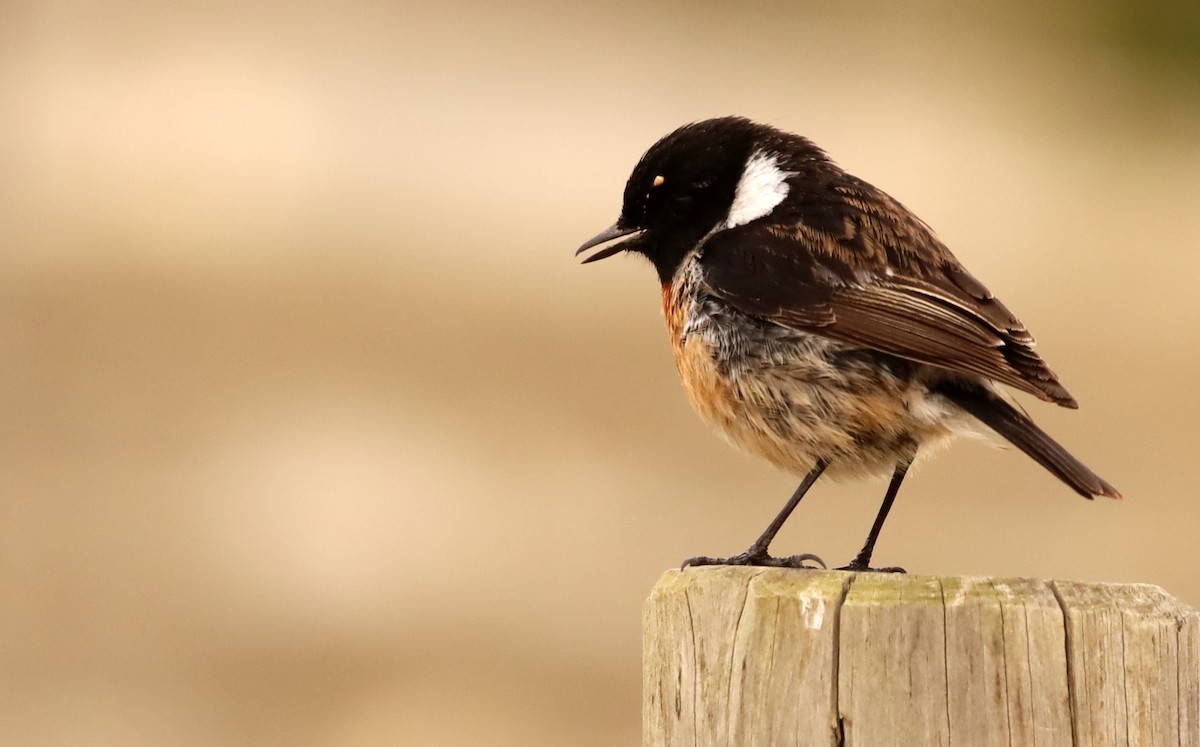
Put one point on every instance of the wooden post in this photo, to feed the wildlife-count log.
(736, 657)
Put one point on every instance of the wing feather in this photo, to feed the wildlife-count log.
(849, 262)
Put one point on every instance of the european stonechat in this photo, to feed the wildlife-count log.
(820, 324)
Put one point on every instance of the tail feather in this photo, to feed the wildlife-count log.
(1023, 433)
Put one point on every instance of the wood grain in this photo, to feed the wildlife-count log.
(753, 656)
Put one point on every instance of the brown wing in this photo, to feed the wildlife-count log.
(849, 262)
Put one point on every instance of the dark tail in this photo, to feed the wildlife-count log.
(1026, 436)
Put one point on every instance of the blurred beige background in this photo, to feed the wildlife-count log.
(314, 433)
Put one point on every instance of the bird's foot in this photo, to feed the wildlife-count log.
(758, 556)
(858, 567)
(862, 563)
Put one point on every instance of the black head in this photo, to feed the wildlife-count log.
(687, 184)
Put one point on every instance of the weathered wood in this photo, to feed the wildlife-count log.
(754, 656)
(1123, 651)
(892, 654)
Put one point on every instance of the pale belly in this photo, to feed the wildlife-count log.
(795, 398)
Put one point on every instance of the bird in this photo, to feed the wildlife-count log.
(818, 323)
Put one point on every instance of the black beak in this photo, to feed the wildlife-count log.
(609, 234)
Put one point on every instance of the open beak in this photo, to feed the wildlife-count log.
(612, 233)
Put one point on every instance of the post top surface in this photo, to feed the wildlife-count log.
(894, 588)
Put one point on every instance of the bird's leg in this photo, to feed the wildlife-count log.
(756, 554)
(862, 561)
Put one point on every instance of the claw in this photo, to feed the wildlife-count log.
(797, 561)
(867, 569)
(755, 557)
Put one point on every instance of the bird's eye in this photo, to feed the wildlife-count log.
(658, 181)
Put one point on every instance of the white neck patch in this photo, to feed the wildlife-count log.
(763, 185)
